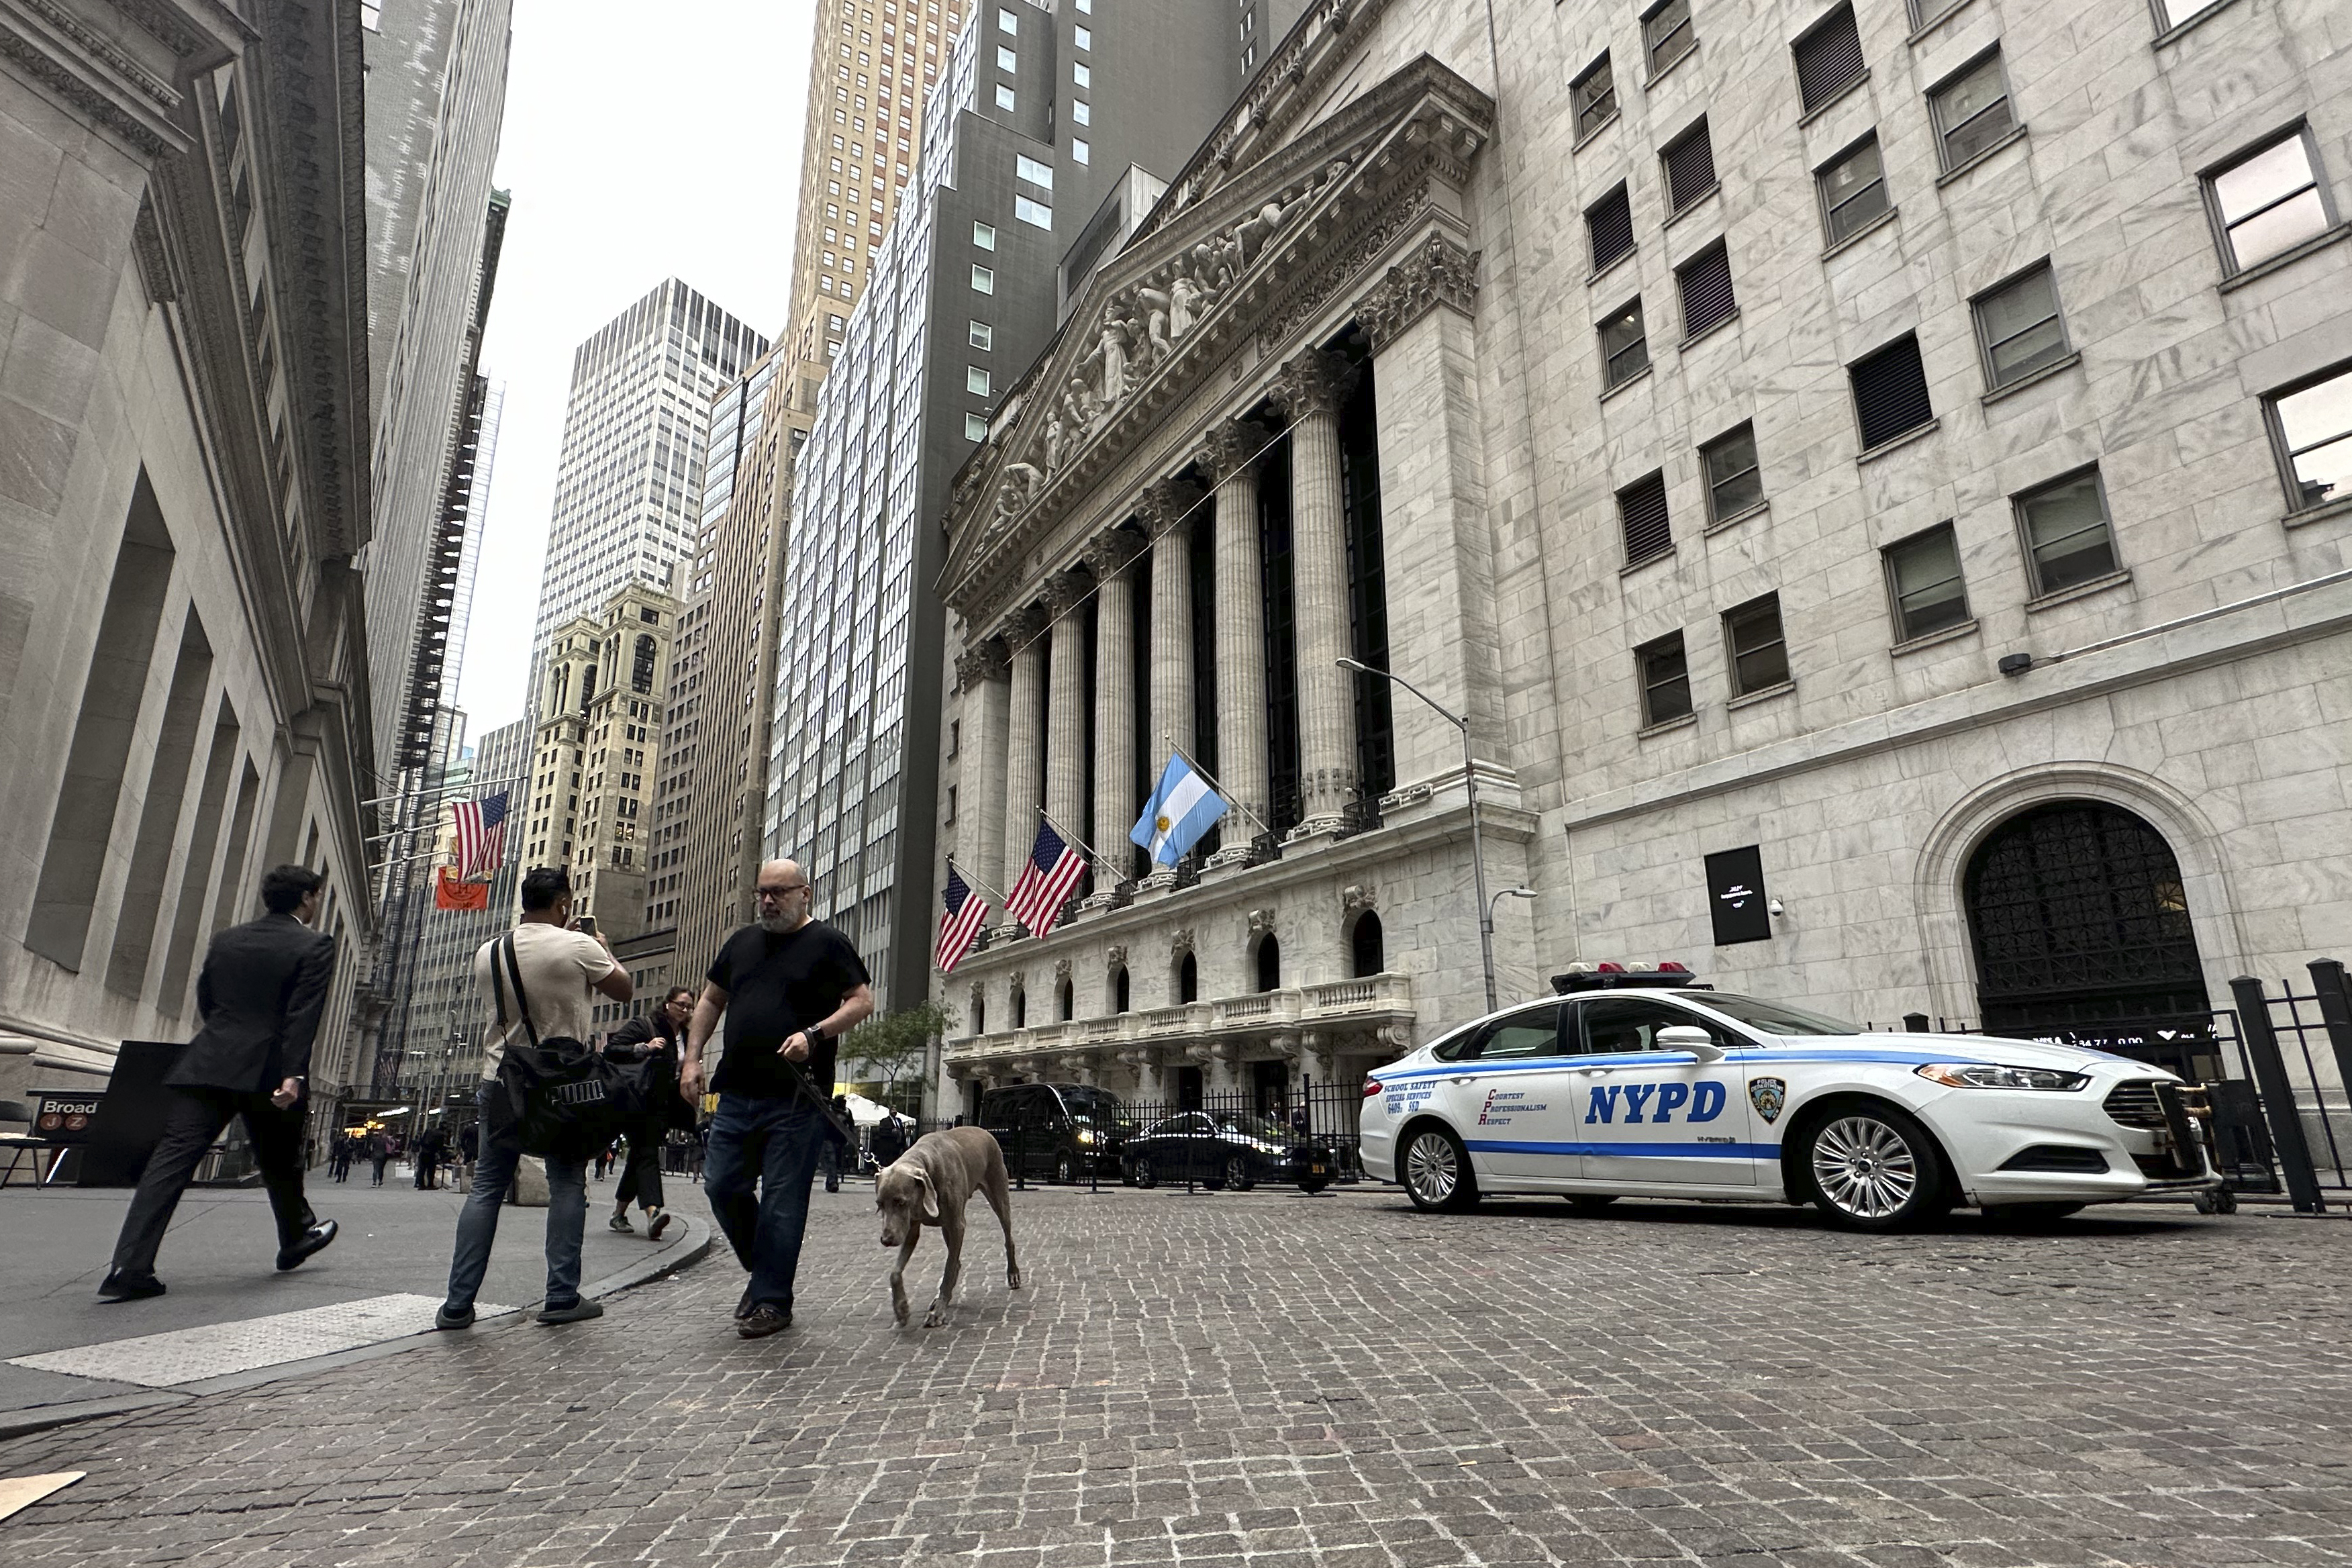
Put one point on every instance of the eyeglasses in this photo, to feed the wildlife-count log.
(780, 893)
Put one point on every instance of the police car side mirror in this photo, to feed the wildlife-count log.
(1692, 1038)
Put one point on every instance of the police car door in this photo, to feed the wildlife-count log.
(1501, 1089)
(1649, 1115)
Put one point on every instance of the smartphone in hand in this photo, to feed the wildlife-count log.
(585, 925)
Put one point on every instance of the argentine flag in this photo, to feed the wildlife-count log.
(1182, 808)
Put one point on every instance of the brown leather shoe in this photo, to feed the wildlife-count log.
(765, 1320)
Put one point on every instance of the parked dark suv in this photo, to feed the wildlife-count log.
(1055, 1131)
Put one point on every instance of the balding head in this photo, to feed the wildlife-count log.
(782, 896)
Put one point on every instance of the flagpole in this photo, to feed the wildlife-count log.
(1192, 762)
(1096, 856)
(975, 881)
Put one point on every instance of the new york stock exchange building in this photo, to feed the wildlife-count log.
(1882, 556)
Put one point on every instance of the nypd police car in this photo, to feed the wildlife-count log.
(1645, 1084)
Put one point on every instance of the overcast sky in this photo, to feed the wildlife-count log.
(640, 143)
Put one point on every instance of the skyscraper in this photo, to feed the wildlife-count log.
(628, 491)
(1022, 188)
(435, 96)
(870, 73)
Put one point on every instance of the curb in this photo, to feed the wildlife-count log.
(692, 1248)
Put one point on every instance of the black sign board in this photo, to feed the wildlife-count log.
(1736, 896)
(129, 1122)
(62, 1116)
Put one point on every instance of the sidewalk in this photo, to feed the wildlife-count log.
(379, 1281)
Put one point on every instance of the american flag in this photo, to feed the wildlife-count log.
(1045, 883)
(961, 924)
(481, 834)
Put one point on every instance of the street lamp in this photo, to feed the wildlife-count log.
(1470, 788)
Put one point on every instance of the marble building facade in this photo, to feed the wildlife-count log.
(1974, 555)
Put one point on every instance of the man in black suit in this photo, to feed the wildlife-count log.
(263, 986)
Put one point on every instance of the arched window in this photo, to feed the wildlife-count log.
(1188, 979)
(1365, 942)
(1069, 1002)
(2078, 913)
(1269, 962)
(1019, 1008)
(1119, 989)
(979, 1012)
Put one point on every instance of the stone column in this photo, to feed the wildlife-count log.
(1024, 743)
(1110, 554)
(1229, 459)
(1065, 705)
(1163, 512)
(982, 712)
(1310, 390)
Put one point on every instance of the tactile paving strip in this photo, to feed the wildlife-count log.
(217, 1349)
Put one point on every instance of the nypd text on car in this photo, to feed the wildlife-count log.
(1644, 1084)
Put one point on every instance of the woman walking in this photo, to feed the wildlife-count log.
(650, 1038)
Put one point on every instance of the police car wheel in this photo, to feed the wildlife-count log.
(1873, 1168)
(1437, 1171)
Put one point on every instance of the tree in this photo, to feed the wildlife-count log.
(897, 1044)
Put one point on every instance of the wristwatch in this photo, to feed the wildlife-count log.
(816, 1036)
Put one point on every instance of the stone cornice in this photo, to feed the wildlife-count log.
(1436, 272)
(1270, 247)
(122, 65)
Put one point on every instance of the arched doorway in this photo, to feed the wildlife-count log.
(1366, 944)
(1269, 962)
(2078, 918)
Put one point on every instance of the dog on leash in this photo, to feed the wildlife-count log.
(930, 1184)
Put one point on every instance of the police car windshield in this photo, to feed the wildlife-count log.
(1776, 1017)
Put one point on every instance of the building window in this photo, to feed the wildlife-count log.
(1735, 482)
(1666, 680)
(1594, 96)
(1033, 172)
(1624, 350)
(1927, 12)
(1690, 167)
(1852, 188)
(2269, 200)
(2067, 539)
(1760, 654)
(1706, 283)
(984, 236)
(1082, 74)
(1890, 393)
(1666, 33)
(1923, 583)
(984, 336)
(1035, 214)
(2018, 326)
(1828, 58)
(1004, 98)
(1081, 112)
(1080, 152)
(1609, 221)
(1006, 22)
(975, 428)
(1084, 37)
(2311, 426)
(1971, 111)
(983, 280)
(1641, 514)
(1005, 59)
(975, 381)
(2171, 14)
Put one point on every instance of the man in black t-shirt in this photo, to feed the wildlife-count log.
(789, 987)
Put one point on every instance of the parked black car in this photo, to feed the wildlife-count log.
(1235, 1149)
(1057, 1132)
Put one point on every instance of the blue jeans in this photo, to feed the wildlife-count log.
(774, 1142)
(478, 1222)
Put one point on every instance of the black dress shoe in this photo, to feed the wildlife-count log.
(763, 1320)
(743, 1308)
(119, 1286)
(314, 1239)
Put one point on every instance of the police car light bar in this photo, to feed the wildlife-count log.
(1609, 976)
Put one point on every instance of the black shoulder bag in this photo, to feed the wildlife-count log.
(566, 1100)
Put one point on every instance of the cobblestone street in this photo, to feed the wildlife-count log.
(1270, 1381)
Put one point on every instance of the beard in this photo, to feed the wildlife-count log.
(778, 925)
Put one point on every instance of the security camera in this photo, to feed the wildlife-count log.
(1772, 906)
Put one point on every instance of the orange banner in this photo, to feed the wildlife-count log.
(448, 893)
